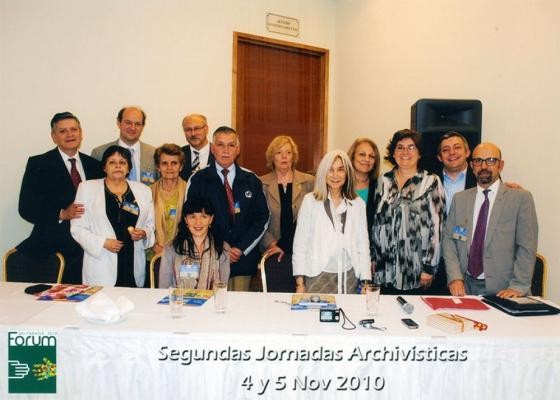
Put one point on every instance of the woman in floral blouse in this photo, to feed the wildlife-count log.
(408, 220)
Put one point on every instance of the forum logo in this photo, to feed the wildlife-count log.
(31, 362)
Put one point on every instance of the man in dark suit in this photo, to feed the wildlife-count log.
(197, 152)
(237, 195)
(47, 195)
(490, 236)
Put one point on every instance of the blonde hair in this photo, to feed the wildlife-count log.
(321, 190)
(275, 145)
(374, 173)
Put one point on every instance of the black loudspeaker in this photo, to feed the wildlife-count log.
(434, 117)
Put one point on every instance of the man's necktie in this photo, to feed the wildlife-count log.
(132, 172)
(195, 161)
(476, 253)
(74, 174)
(229, 193)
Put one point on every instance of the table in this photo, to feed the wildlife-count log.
(260, 349)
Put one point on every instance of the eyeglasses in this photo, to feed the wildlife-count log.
(489, 161)
(129, 123)
(194, 129)
(401, 148)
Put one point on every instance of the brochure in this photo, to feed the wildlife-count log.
(192, 297)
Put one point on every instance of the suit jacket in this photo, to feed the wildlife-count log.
(302, 184)
(148, 172)
(91, 230)
(510, 244)
(45, 190)
(251, 217)
(187, 168)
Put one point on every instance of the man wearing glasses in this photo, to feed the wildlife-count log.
(490, 236)
(131, 122)
(197, 152)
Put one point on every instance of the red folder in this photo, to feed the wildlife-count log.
(464, 303)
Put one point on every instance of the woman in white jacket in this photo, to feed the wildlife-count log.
(117, 224)
(331, 244)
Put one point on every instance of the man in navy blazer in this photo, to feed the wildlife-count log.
(47, 194)
(507, 253)
(241, 220)
(197, 152)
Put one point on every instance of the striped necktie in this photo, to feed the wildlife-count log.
(196, 161)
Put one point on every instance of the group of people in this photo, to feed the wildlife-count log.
(459, 230)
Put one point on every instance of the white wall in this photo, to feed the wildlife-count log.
(390, 53)
(174, 57)
(171, 57)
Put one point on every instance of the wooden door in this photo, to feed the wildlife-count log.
(279, 88)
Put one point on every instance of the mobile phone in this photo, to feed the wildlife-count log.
(410, 324)
(37, 288)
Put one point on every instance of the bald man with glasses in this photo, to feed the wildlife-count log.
(490, 236)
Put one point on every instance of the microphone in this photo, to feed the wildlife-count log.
(406, 306)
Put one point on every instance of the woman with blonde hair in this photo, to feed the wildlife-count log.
(366, 162)
(331, 246)
(284, 188)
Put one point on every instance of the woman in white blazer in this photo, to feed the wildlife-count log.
(117, 224)
(331, 244)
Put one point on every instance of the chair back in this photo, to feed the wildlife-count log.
(277, 276)
(538, 283)
(154, 271)
(19, 267)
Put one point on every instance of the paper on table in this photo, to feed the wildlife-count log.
(103, 309)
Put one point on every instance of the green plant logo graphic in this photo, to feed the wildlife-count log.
(45, 370)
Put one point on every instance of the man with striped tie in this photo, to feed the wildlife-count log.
(197, 152)
(47, 194)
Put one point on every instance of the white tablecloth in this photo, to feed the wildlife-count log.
(260, 349)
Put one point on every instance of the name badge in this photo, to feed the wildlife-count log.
(460, 233)
(131, 208)
(189, 271)
(172, 212)
(147, 177)
(236, 207)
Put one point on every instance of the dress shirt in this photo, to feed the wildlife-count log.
(135, 157)
(452, 186)
(79, 166)
(230, 175)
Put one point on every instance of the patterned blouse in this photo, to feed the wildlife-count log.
(407, 226)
